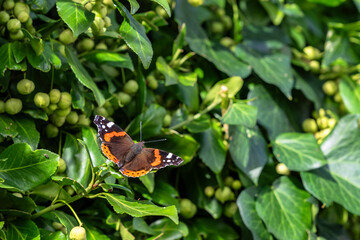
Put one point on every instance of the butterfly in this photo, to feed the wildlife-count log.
(132, 158)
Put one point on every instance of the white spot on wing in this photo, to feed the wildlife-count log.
(168, 160)
(103, 126)
(169, 155)
(110, 124)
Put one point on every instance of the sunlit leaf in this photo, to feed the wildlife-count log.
(140, 209)
(75, 16)
(25, 169)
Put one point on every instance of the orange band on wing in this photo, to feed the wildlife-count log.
(157, 158)
(130, 173)
(108, 136)
(108, 154)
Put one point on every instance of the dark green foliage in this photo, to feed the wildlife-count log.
(261, 99)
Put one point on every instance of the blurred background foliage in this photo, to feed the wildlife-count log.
(260, 98)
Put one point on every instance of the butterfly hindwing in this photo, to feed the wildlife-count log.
(149, 159)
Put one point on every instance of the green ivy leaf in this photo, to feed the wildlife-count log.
(134, 6)
(272, 68)
(350, 94)
(45, 59)
(165, 5)
(284, 209)
(66, 181)
(299, 151)
(188, 95)
(19, 51)
(338, 180)
(83, 76)
(152, 120)
(169, 230)
(139, 224)
(78, 95)
(134, 35)
(248, 150)
(329, 3)
(7, 126)
(222, 58)
(11, 205)
(163, 194)
(271, 113)
(149, 181)
(75, 16)
(338, 46)
(94, 233)
(37, 114)
(26, 131)
(246, 203)
(188, 79)
(77, 160)
(212, 149)
(111, 58)
(183, 145)
(20, 129)
(90, 138)
(275, 14)
(142, 92)
(170, 75)
(8, 60)
(25, 169)
(233, 85)
(22, 229)
(49, 235)
(213, 229)
(240, 113)
(50, 191)
(140, 209)
(330, 230)
(67, 220)
(199, 124)
(310, 88)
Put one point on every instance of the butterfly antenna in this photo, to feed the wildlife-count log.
(158, 140)
(140, 131)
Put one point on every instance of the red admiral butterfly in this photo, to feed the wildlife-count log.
(132, 158)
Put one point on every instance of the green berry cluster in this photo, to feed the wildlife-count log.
(107, 110)
(226, 194)
(14, 106)
(101, 9)
(321, 125)
(14, 16)
(130, 88)
(221, 24)
(57, 105)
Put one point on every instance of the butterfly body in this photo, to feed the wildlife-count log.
(132, 158)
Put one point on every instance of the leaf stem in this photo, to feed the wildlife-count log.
(73, 211)
(196, 116)
(55, 206)
(235, 19)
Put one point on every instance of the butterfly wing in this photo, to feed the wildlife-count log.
(149, 159)
(115, 142)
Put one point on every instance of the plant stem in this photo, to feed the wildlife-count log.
(55, 206)
(219, 180)
(73, 211)
(235, 19)
(196, 116)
